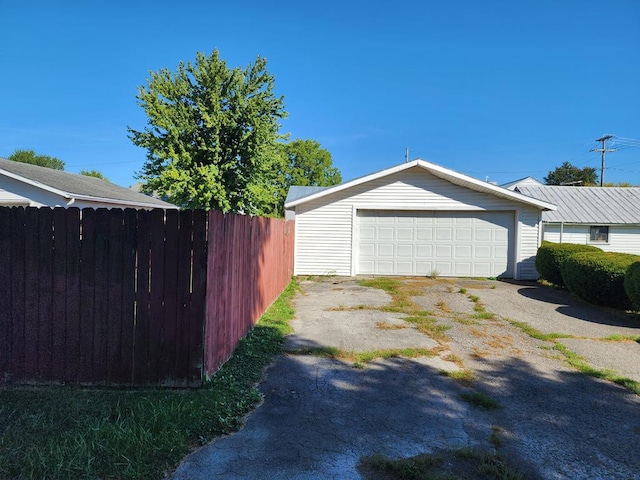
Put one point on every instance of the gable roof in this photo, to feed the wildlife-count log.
(80, 187)
(304, 194)
(592, 205)
(299, 191)
(526, 181)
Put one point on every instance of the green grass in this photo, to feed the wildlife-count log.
(464, 375)
(578, 362)
(428, 325)
(480, 400)
(79, 433)
(537, 334)
(465, 464)
(362, 358)
(401, 293)
(623, 338)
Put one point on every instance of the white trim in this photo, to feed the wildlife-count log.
(124, 203)
(516, 250)
(34, 183)
(438, 171)
(354, 240)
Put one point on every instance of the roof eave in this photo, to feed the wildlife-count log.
(36, 184)
(440, 172)
(132, 203)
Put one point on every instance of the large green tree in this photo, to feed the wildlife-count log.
(567, 174)
(212, 136)
(307, 163)
(29, 156)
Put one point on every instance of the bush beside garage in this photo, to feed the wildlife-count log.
(603, 278)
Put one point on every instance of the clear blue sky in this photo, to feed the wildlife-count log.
(497, 89)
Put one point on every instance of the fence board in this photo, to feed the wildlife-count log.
(113, 293)
(58, 319)
(32, 346)
(198, 297)
(102, 297)
(128, 297)
(74, 326)
(141, 374)
(44, 284)
(183, 290)
(87, 295)
(18, 323)
(6, 327)
(156, 295)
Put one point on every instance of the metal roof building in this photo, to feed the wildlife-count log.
(588, 205)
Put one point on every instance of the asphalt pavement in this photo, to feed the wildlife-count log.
(319, 415)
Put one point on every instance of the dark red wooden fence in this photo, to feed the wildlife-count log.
(132, 297)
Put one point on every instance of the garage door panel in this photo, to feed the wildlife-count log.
(404, 268)
(484, 234)
(443, 268)
(463, 269)
(424, 233)
(367, 249)
(482, 251)
(464, 234)
(444, 251)
(367, 232)
(423, 268)
(386, 233)
(419, 243)
(404, 251)
(500, 235)
(405, 234)
(443, 234)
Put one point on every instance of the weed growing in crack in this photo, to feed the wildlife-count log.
(480, 400)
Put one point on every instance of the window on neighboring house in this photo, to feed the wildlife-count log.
(599, 234)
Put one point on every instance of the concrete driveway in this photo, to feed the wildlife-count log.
(321, 415)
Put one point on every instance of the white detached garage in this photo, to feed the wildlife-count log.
(417, 218)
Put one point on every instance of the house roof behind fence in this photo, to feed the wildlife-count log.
(71, 185)
(591, 205)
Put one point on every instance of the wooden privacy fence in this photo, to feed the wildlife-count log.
(132, 297)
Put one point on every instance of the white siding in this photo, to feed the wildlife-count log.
(324, 227)
(622, 238)
(529, 228)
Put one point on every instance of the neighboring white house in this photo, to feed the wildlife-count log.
(607, 217)
(416, 218)
(23, 184)
(523, 182)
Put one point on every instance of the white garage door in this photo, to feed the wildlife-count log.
(476, 244)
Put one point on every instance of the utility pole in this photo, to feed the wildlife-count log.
(603, 151)
(406, 155)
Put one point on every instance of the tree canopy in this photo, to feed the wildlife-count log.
(306, 163)
(568, 174)
(212, 136)
(29, 156)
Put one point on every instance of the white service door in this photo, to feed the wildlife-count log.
(446, 243)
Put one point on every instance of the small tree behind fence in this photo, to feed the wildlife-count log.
(132, 297)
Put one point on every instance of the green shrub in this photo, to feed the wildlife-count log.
(598, 277)
(551, 255)
(632, 284)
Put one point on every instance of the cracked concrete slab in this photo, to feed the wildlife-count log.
(319, 415)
